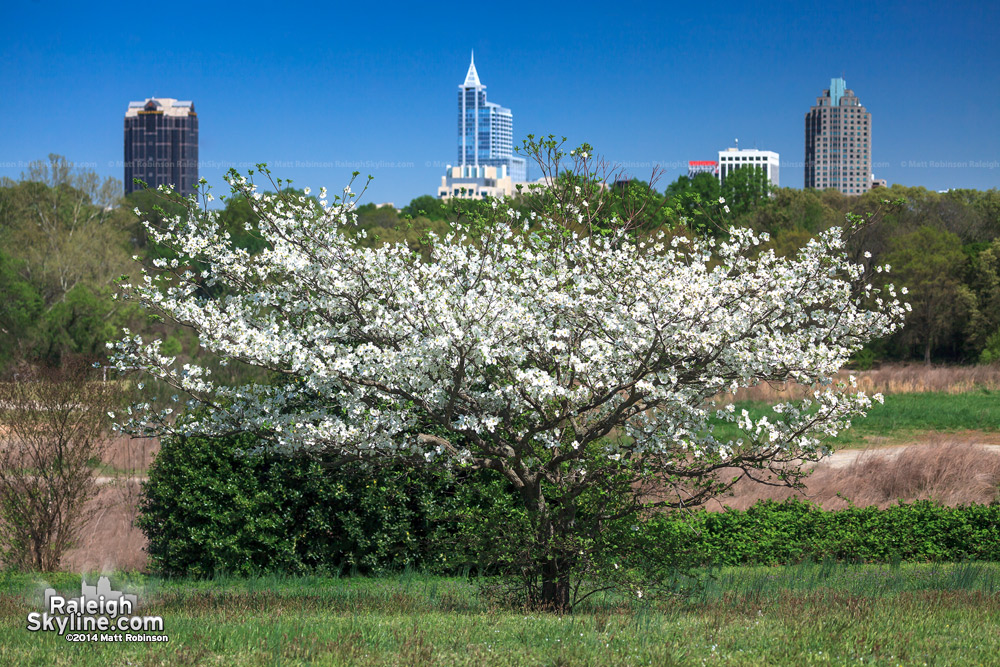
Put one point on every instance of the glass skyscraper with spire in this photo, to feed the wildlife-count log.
(486, 130)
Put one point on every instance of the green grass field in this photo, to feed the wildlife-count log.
(903, 415)
(799, 615)
(809, 614)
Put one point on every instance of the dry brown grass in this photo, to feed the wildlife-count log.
(131, 454)
(953, 472)
(892, 379)
(109, 540)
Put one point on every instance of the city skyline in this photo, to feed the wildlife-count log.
(645, 87)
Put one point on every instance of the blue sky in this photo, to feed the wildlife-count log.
(319, 92)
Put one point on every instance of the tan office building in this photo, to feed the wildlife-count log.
(838, 142)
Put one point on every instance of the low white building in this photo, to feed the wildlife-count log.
(732, 159)
(475, 182)
(471, 182)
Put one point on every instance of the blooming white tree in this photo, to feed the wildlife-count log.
(561, 359)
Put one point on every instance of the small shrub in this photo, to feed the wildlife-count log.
(53, 433)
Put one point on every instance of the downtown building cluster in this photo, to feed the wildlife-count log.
(486, 165)
(837, 147)
(161, 146)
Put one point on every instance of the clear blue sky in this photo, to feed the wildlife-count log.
(373, 86)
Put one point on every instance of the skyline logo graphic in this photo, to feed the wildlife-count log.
(99, 614)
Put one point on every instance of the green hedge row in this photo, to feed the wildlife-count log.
(207, 509)
(773, 533)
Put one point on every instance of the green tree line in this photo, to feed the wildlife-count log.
(67, 235)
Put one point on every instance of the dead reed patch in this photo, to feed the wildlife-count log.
(131, 455)
(109, 539)
(890, 379)
(950, 471)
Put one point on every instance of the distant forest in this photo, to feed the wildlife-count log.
(67, 236)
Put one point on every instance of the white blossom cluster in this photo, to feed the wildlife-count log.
(531, 343)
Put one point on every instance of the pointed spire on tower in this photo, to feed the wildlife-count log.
(472, 78)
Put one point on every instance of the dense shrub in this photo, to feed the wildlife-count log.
(207, 508)
(772, 533)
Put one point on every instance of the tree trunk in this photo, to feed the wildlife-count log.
(552, 562)
(555, 585)
(927, 352)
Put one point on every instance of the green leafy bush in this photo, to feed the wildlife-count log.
(208, 509)
(991, 353)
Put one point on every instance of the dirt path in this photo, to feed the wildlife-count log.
(104, 479)
(845, 457)
(988, 441)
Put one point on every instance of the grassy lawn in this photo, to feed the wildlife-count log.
(904, 415)
(798, 615)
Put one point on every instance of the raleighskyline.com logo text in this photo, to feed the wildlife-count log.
(99, 614)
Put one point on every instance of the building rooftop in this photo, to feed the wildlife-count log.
(166, 106)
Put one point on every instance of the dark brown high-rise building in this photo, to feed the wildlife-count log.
(838, 142)
(161, 144)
